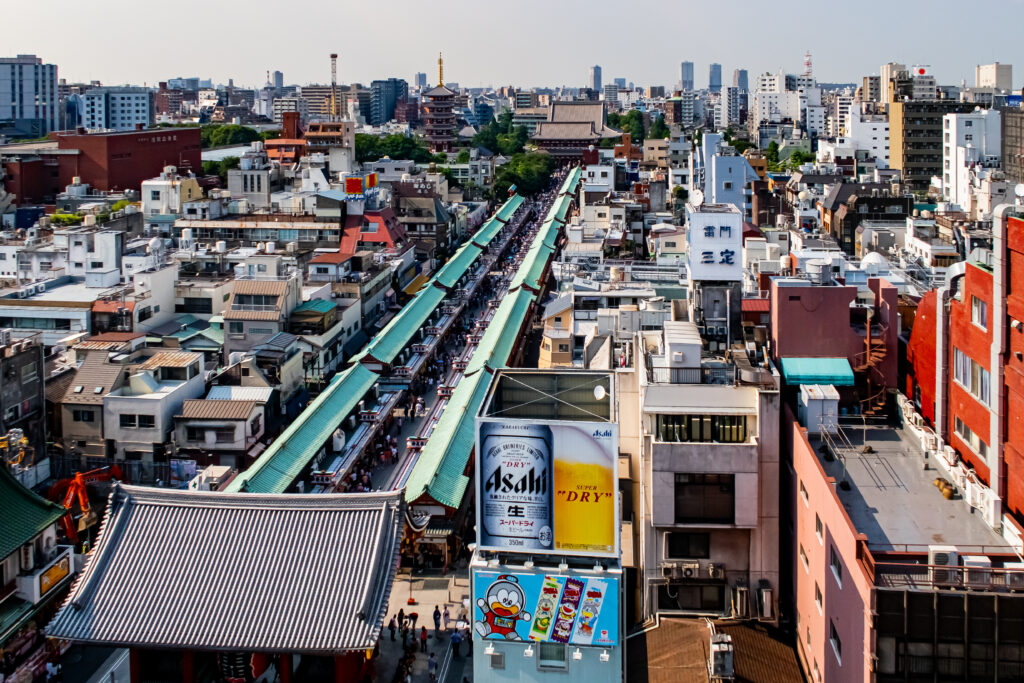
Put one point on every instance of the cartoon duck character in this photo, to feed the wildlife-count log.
(503, 608)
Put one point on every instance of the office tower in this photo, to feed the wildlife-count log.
(384, 95)
(686, 76)
(620, 83)
(420, 80)
(739, 79)
(278, 80)
(118, 108)
(595, 78)
(715, 78)
(28, 96)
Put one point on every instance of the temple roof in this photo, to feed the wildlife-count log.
(219, 571)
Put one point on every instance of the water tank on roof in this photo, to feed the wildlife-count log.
(873, 263)
(271, 247)
(222, 247)
(786, 262)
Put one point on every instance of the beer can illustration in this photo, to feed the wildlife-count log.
(516, 492)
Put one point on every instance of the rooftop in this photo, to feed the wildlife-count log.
(266, 585)
(892, 499)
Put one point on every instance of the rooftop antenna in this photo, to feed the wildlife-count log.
(440, 70)
(334, 86)
(807, 63)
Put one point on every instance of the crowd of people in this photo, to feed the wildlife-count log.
(403, 626)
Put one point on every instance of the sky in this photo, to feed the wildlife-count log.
(527, 43)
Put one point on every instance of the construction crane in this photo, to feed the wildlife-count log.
(66, 491)
(334, 86)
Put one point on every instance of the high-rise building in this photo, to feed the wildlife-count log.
(740, 79)
(686, 76)
(28, 96)
(969, 140)
(996, 75)
(595, 78)
(420, 80)
(620, 83)
(611, 96)
(715, 78)
(870, 89)
(384, 95)
(886, 73)
(118, 108)
(278, 80)
(916, 137)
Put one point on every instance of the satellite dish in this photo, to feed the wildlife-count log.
(1019, 190)
(802, 195)
(698, 197)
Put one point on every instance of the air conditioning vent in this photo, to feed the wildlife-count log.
(1014, 575)
(977, 571)
(944, 561)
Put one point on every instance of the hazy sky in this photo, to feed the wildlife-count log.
(526, 42)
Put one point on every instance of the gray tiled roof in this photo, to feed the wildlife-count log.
(219, 571)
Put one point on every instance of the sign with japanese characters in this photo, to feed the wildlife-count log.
(575, 610)
(715, 245)
(547, 487)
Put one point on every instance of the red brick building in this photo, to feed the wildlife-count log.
(118, 160)
(965, 362)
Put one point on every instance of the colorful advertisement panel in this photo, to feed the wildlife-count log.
(548, 487)
(353, 185)
(575, 610)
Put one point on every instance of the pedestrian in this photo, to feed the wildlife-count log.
(437, 619)
(423, 639)
(392, 626)
(413, 616)
(405, 635)
(445, 617)
(469, 643)
(399, 421)
(432, 666)
(401, 617)
(457, 643)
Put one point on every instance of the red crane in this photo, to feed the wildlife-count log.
(66, 490)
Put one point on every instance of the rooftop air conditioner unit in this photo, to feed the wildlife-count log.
(1014, 576)
(977, 571)
(943, 561)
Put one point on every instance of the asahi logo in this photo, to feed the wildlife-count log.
(517, 482)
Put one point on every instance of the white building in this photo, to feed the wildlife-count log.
(611, 95)
(886, 73)
(28, 96)
(283, 104)
(117, 108)
(967, 139)
(729, 107)
(869, 132)
(722, 178)
(996, 75)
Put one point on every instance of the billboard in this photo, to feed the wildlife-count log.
(353, 185)
(576, 610)
(548, 487)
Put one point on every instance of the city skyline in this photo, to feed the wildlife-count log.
(482, 58)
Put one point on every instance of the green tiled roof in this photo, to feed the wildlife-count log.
(282, 463)
(458, 264)
(317, 305)
(400, 330)
(25, 514)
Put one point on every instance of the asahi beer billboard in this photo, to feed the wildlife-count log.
(576, 610)
(548, 487)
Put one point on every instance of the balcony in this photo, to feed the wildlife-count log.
(46, 575)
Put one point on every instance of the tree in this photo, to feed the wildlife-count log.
(463, 157)
(225, 135)
(658, 129)
(119, 204)
(742, 145)
(397, 146)
(697, 137)
(220, 168)
(772, 153)
(530, 173)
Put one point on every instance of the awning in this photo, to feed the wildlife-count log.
(416, 284)
(834, 371)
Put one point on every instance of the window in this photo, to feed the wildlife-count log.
(155, 195)
(83, 416)
(552, 656)
(972, 376)
(837, 644)
(803, 494)
(29, 373)
(979, 312)
(803, 559)
(708, 498)
(687, 545)
(147, 421)
(235, 328)
(837, 565)
(195, 434)
(970, 438)
(692, 598)
(129, 421)
(818, 600)
(563, 348)
(819, 529)
(702, 428)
